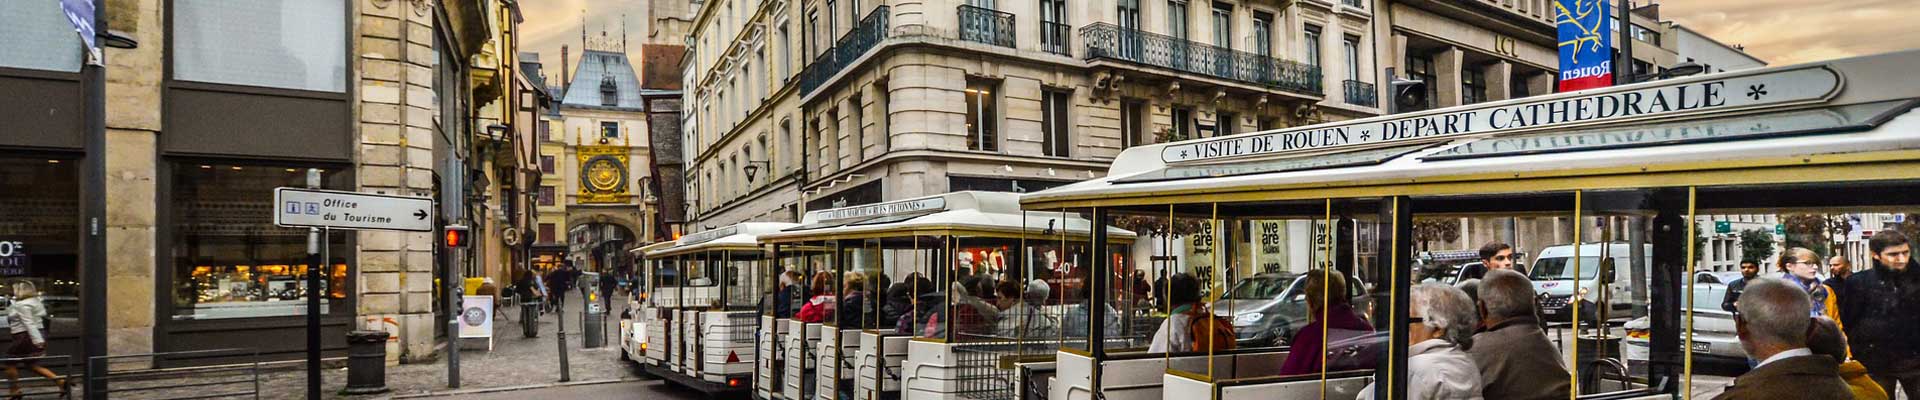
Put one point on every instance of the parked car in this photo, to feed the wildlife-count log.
(1554, 280)
(1714, 339)
(1268, 308)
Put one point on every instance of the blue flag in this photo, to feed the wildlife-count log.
(80, 13)
(1586, 44)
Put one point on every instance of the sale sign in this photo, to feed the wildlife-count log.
(1586, 44)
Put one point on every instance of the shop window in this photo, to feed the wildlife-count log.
(287, 44)
(230, 260)
(39, 233)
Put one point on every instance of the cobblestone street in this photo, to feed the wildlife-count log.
(515, 362)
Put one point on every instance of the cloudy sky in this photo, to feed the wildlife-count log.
(1778, 31)
(1795, 31)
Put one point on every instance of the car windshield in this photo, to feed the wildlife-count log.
(1557, 268)
(1261, 287)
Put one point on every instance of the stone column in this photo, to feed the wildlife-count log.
(133, 126)
(1446, 72)
(1540, 83)
(1499, 77)
(396, 106)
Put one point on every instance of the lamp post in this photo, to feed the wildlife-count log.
(753, 167)
(93, 286)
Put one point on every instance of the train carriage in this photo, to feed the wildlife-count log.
(1600, 186)
(708, 289)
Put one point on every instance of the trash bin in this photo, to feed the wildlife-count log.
(1599, 361)
(366, 362)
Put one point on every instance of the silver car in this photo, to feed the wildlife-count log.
(1268, 308)
(1714, 338)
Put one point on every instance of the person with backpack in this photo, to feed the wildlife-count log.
(1190, 326)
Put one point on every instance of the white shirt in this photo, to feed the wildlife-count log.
(1784, 355)
(1438, 369)
(1180, 339)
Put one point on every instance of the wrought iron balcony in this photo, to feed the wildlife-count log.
(845, 51)
(986, 26)
(1112, 42)
(1361, 93)
(1056, 38)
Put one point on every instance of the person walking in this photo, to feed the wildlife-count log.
(1802, 268)
(1772, 325)
(1880, 313)
(26, 319)
(559, 281)
(1838, 269)
(1440, 332)
(1515, 359)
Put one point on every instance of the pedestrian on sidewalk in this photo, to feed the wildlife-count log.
(26, 319)
(558, 282)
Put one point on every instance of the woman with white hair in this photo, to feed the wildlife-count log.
(1440, 329)
(24, 319)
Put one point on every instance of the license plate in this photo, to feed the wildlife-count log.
(1549, 312)
(1701, 347)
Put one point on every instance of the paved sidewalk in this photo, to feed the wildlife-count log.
(515, 362)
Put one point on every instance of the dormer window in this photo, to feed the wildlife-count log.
(609, 96)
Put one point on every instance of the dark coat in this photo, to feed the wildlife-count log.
(1517, 361)
(1733, 294)
(1810, 377)
(1881, 312)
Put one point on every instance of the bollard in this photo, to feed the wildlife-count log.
(593, 323)
(366, 362)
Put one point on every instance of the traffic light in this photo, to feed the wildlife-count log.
(457, 237)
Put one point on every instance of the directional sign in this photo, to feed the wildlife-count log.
(313, 208)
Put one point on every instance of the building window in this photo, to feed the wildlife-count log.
(547, 233)
(547, 196)
(1312, 42)
(1177, 18)
(1263, 34)
(546, 164)
(1223, 25)
(230, 260)
(857, 128)
(1351, 46)
(786, 52)
(287, 44)
(1473, 85)
(1517, 87)
(609, 129)
(40, 232)
(38, 37)
(1229, 123)
(1129, 17)
(1182, 124)
(982, 121)
(609, 94)
(1133, 123)
(1420, 67)
(1055, 34)
(1055, 124)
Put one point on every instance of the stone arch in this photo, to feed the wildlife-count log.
(624, 218)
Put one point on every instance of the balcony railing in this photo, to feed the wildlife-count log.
(1361, 93)
(845, 51)
(1056, 38)
(986, 26)
(1135, 46)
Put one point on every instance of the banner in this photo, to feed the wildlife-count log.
(476, 318)
(1586, 44)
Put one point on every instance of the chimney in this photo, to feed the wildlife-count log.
(566, 66)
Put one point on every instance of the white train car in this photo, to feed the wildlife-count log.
(710, 285)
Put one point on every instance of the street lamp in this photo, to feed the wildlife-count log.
(754, 167)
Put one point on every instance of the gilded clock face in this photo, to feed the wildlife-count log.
(604, 174)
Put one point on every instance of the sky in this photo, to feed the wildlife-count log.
(552, 23)
(1781, 32)
(1785, 32)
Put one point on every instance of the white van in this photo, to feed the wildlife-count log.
(1553, 278)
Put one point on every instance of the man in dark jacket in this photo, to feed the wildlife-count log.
(559, 281)
(1748, 270)
(1773, 326)
(1881, 313)
(1515, 359)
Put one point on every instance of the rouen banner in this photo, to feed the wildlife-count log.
(1586, 44)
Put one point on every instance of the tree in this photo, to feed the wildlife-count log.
(1816, 231)
(1911, 226)
(1426, 230)
(1755, 245)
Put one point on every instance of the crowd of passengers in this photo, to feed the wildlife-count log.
(1852, 336)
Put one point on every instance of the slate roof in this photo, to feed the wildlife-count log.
(598, 70)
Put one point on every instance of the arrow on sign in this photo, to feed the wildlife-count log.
(420, 215)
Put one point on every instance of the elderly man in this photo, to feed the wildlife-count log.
(1440, 329)
(1515, 358)
(1773, 327)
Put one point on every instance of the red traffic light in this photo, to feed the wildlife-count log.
(457, 236)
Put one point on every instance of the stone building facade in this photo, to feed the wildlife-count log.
(215, 108)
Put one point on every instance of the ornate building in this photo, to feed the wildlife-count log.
(594, 162)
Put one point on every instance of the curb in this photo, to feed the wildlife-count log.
(513, 388)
